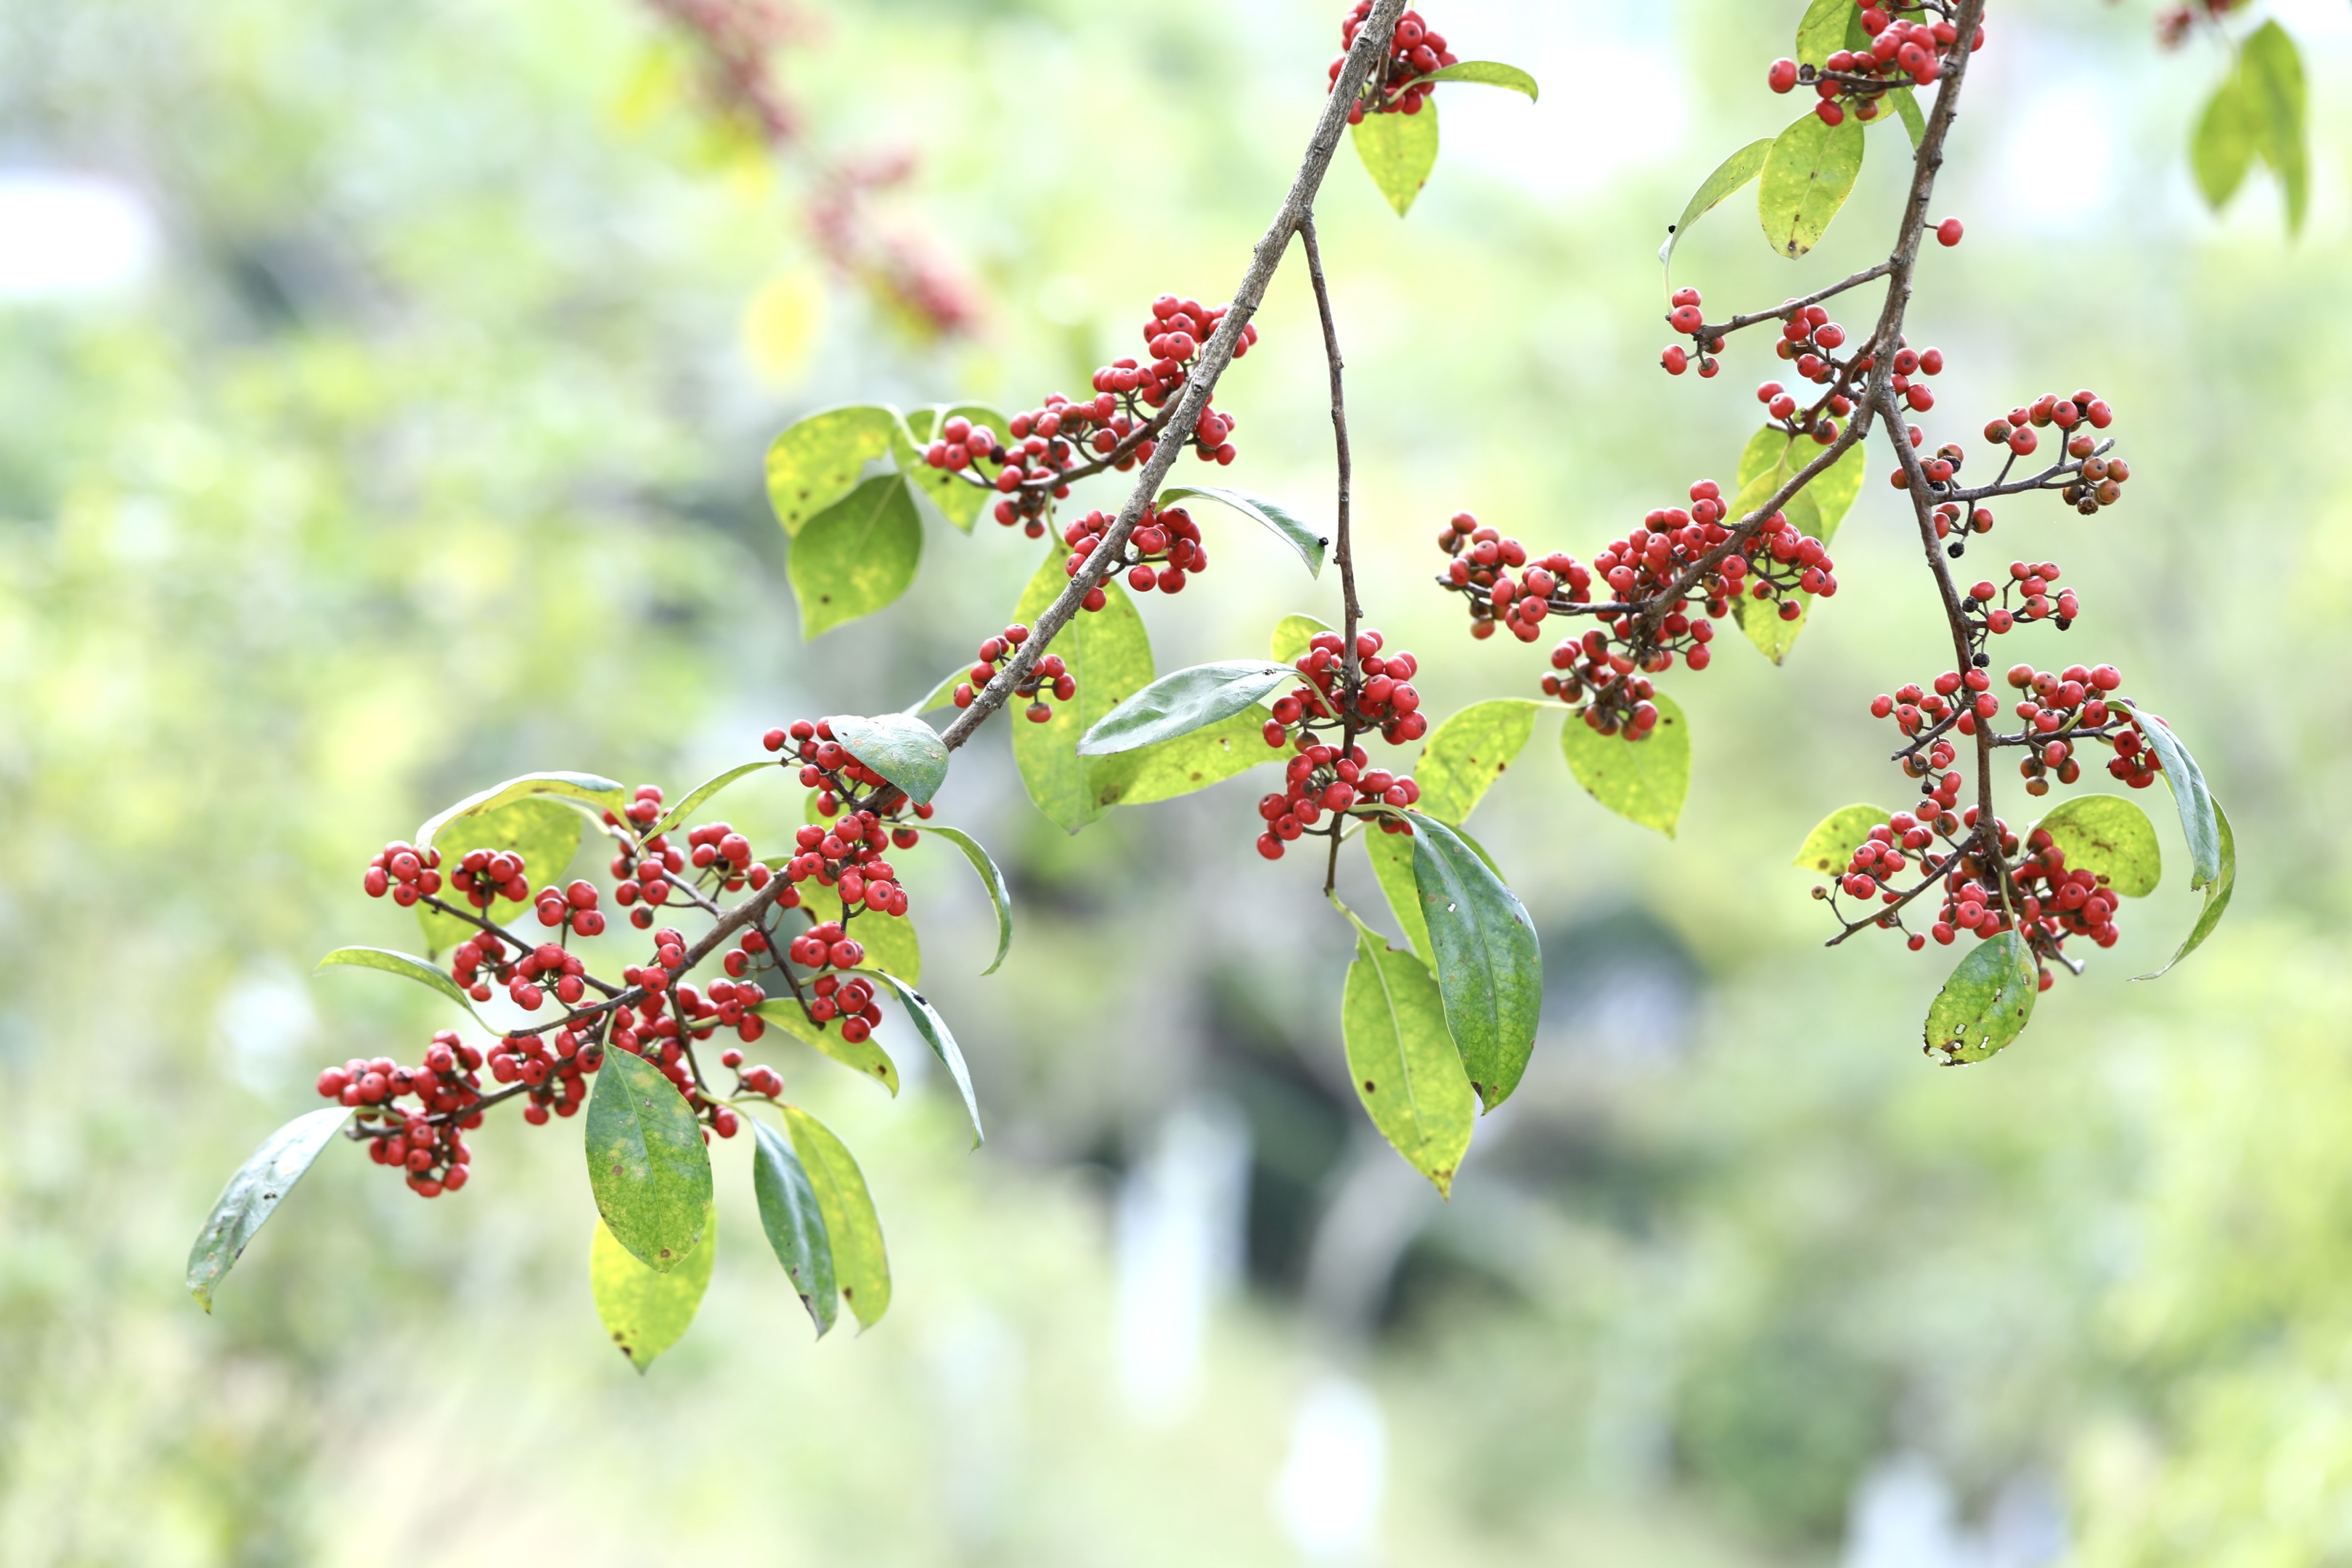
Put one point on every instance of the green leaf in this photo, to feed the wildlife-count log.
(1178, 704)
(795, 1226)
(890, 940)
(402, 965)
(647, 1311)
(1109, 653)
(1292, 634)
(814, 463)
(1398, 152)
(1392, 858)
(703, 792)
(989, 878)
(1642, 780)
(2111, 837)
(1486, 73)
(1807, 177)
(1271, 515)
(1828, 26)
(2271, 71)
(943, 694)
(1469, 751)
(253, 1195)
(1730, 176)
(1986, 1003)
(859, 1260)
(936, 1034)
(856, 556)
(1490, 964)
(1406, 1070)
(1760, 618)
(1830, 847)
(1906, 106)
(2199, 817)
(2222, 148)
(958, 500)
(1194, 761)
(902, 749)
(600, 793)
(545, 831)
(646, 1162)
(865, 1057)
(2216, 895)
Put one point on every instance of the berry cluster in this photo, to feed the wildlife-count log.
(574, 906)
(2098, 480)
(554, 1073)
(1170, 538)
(1396, 88)
(2028, 596)
(847, 857)
(1049, 677)
(827, 768)
(1901, 53)
(423, 1142)
(1687, 317)
(406, 873)
(1385, 697)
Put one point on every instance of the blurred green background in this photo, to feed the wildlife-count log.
(385, 392)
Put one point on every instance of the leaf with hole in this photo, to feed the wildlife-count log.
(795, 1226)
(254, 1194)
(1291, 635)
(865, 1057)
(1109, 654)
(1644, 781)
(999, 893)
(902, 749)
(1469, 751)
(1985, 1004)
(1489, 963)
(646, 1162)
(403, 964)
(1179, 703)
(2111, 837)
(1728, 177)
(958, 500)
(860, 1262)
(816, 462)
(1402, 1060)
(1807, 177)
(1271, 515)
(856, 556)
(1829, 847)
(1399, 151)
(935, 1035)
(644, 1311)
(2216, 895)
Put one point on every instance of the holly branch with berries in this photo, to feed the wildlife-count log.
(1438, 1023)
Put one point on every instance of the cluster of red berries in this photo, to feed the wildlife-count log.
(1049, 677)
(2063, 710)
(2099, 482)
(573, 906)
(753, 1080)
(1385, 696)
(851, 1001)
(1686, 318)
(1396, 88)
(1321, 779)
(848, 857)
(406, 873)
(1482, 566)
(2173, 27)
(423, 1142)
(1900, 51)
(1170, 538)
(826, 944)
(555, 1072)
(2033, 587)
(522, 976)
(826, 767)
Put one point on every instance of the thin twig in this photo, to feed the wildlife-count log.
(1343, 554)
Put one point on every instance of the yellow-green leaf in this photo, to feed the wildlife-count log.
(856, 556)
(1486, 73)
(646, 1162)
(1985, 1004)
(1399, 151)
(1109, 654)
(2271, 71)
(543, 830)
(1224, 750)
(1830, 847)
(2217, 894)
(959, 499)
(817, 462)
(861, 1264)
(1403, 1062)
(1468, 752)
(890, 940)
(865, 1057)
(2111, 837)
(2223, 147)
(1642, 781)
(1730, 176)
(1807, 177)
(645, 1311)
(1293, 633)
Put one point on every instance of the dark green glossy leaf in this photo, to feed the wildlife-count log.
(1224, 750)
(1486, 73)
(794, 1224)
(958, 500)
(1402, 1060)
(1109, 654)
(1730, 176)
(1291, 635)
(703, 792)
(2272, 72)
(253, 1195)
(2199, 821)
(999, 893)
(902, 749)
(856, 556)
(936, 1034)
(1178, 704)
(2216, 895)
(1469, 751)
(601, 793)
(1830, 847)
(646, 1162)
(646, 1311)
(402, 965)
(1807, 177)
(1489, 963)
(865, 1057)
(1642, 780)
(1392, 858)
(2223, 146)
(816, 462)
(890, 941)
(2111, 837)
(1399, 151)
(860, 1262)
(1985, 1004)
(1271, 515)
